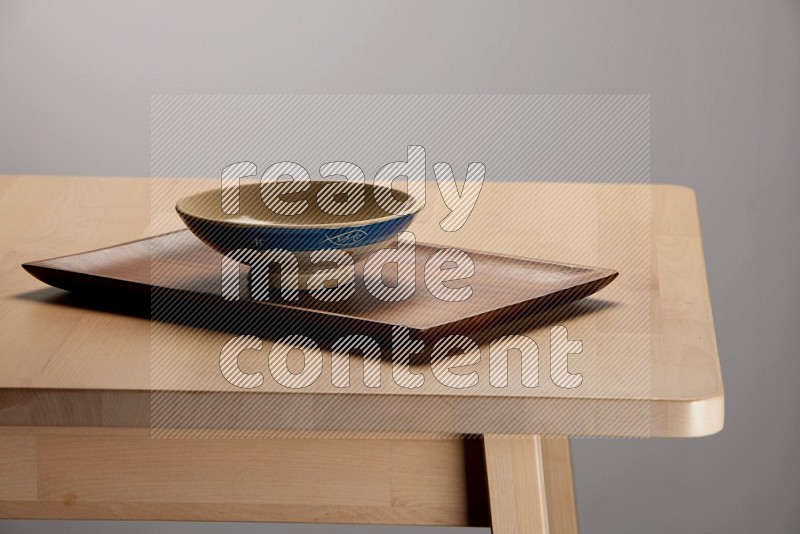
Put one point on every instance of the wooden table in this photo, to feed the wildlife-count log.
(76, 384)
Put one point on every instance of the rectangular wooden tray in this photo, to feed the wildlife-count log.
(181, 277)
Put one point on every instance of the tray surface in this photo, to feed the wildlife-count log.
(184, 268)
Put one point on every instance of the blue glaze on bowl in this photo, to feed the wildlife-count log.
(226, 237)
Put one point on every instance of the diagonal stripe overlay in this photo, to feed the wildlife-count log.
(224, 376)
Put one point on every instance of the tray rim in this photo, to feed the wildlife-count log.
(599, 278)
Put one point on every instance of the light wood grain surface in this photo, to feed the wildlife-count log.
(517, 492)
(514, 484)
(91, 473)
(649, 360)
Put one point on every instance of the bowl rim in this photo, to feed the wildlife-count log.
(256, 223)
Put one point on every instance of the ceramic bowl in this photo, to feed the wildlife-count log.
(257, 227)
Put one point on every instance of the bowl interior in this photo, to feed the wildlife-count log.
(254, 212)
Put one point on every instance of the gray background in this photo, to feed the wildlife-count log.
(75, 86)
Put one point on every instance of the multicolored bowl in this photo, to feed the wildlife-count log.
(255, 226)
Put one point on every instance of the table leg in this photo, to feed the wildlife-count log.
(530, 485)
